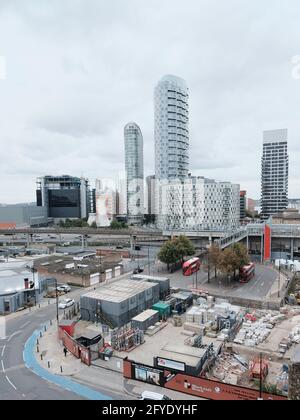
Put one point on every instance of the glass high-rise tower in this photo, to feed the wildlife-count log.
(171, 129)
(275, 173)
(134, 168)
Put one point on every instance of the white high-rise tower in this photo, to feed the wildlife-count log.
(171, 129)
(134, 167)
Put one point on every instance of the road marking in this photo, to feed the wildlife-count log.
(13, 335)
(10, 382)
(2, 365)
(3, 351)
(26, 323)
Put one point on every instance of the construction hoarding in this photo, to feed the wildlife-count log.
(192, 385)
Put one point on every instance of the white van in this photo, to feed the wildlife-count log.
(153, 396)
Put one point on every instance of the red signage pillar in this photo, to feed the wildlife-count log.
(267, 243)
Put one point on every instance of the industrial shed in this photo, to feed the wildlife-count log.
(116, 304)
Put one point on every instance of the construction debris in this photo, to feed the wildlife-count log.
(228, 369)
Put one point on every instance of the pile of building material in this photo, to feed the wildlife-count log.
(154, 329)
(295, 335)
(282, 380)
(228, 368)
(207, 312)
(253, 334)
(196, 315)
(257, 327)
(286, 343)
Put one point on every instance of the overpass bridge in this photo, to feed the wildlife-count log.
(131, 235)
(282, 236)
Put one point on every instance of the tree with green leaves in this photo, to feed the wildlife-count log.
(184, 247)
(168, 253)
(233, 258)
(115, 225)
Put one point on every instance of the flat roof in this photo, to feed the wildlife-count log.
(145, 315)
(120, 291)
(150, 278)
(181, 353)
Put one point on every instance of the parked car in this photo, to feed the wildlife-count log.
(151, 396)
(138, 271)
(64, 288)
(66, 303)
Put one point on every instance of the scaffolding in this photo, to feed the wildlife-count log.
(126, 339)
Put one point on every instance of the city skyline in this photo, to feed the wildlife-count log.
(75, 93)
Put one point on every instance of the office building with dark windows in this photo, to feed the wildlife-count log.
(65, 197)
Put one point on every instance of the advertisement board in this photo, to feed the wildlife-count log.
(170, 364)
(147, 374)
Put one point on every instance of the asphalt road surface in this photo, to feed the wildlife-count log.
(16, 381)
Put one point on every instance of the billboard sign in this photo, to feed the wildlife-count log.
(170, 364)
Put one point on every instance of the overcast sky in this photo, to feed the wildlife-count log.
(78, 70)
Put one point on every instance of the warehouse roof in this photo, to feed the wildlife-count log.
(120, 291)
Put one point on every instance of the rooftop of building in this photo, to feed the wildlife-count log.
(275, 136)
(120, 291)
(81, 265)
(145, 315)
(149, 278)
(191, 356)
(288, 214)
(176, 80)
(12, 275)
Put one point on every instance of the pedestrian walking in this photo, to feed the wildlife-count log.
(65, 351)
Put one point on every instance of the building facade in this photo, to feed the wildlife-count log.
(106, 202)
(150, 183)
(24, 215)
(199, 204)
(275, 173)
(171, 128)
(243, 204)
(134, 168)
(64, 197)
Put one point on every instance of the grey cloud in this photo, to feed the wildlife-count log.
(78, 70)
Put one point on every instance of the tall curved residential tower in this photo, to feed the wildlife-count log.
(134, 167)
(171, 129)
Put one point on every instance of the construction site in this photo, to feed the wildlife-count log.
(142, 319)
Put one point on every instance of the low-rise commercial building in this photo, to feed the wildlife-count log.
(83, 270)
(288, 217)
(23, 215)
(19, 287)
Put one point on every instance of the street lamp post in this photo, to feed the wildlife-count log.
(149, 272)
(56, 296)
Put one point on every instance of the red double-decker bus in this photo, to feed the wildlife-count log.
(190, 267)
(247, 273)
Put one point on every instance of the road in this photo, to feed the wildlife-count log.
(16, 381)
(258, 287)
